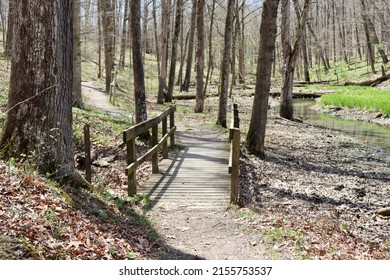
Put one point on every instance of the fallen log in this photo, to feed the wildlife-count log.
(190, 96)
(369, 83)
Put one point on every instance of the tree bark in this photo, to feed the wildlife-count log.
(108, 25)
(256, 133)
(199, 56)
(187, 78)
(38, 124)
(76, 86)
(290, 56)
(225, 65)
(165, 24)
(122, 56)
(210, 55)
(175, 39)
(138, 66)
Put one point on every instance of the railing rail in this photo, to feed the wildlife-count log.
(131, 133)
(234, 159)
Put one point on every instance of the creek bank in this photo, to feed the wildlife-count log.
(355, 114)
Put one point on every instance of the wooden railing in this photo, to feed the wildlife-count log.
(131, 133)
(234, 160)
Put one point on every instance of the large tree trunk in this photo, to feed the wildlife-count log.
(225, 65)
(76, 86)
(38, 125)
(256, 133)
(175, 39)
(199, 56)
(187, 78)
(138, 66)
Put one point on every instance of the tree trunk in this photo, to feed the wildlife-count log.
(225, 65)
(122, 56)
(38, 125)
(165, 24)
(241, 47)
(256, 133)
(200, 57)
(108, 25)
(175, 39)
(210, 56)
(290, 56)
(187, 78)
(138, 66)
(11, 19)
(371, 33)
(157, 46)
(76, 86)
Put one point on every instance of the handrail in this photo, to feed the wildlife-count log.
(234, 159)
(131, 133)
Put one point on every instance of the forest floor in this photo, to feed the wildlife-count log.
(313, 197)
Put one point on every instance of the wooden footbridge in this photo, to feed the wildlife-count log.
(198, 171)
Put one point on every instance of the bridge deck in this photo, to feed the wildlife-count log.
(196, 176)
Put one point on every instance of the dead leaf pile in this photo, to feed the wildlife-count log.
(39, 220)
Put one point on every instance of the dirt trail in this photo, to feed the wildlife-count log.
(193, 233)
(95, 97)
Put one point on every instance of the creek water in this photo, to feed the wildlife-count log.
(369, 133)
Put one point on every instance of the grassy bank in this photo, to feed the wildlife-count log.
(359, 97)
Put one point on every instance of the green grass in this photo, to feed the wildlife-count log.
(362, 98)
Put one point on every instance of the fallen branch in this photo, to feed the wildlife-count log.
(383, 211)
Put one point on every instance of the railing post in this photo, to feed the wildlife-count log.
(112, 86)
(165, 131)
(172, 125)
(155, 155)
(235, 114)
(235, 166)
(87, 148)
(131, 177)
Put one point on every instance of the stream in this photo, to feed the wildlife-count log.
(367, 132)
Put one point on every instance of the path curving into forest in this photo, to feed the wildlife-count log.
(192, 190)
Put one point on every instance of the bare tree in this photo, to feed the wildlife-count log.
(225, 65)
(256, 133)
(199, 56)
(138, 66)
(290, 55)
(187, 78)
(108, 24)
(171, 81)
(165, 24)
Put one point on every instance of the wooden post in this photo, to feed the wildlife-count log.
(155, 155)
(164, 131)
(131, 177)
(235, 114)
(112, 86)
(235, 166)
(172, 125)
(87, 149)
